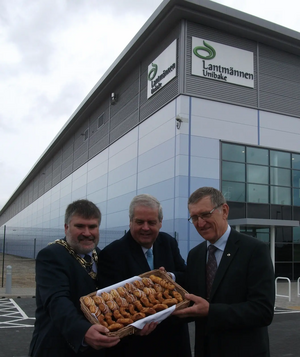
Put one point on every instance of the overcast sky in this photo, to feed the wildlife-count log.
(53, 52)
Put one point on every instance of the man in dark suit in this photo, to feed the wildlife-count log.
(126, 257)
(63, 275)
(231, 320)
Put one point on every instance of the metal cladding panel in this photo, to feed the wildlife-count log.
(158, 100)
(97, 135)
(99, 145)
(126, 112)
(279, 81)
(213, 89)
(126, 125)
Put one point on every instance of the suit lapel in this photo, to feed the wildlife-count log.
(137, 253)
(200, 275)
(228, 256)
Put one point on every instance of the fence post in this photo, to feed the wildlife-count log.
(34, 248)
(3, 252)
(8, 279)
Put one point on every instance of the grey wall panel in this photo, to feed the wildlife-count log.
(67, 149)
(158, 100)
(127, 111)
(66, 171)
(126, 125)
(80, 160)
(99, 134)
(98, 146)
(81, 150)
(279, 81)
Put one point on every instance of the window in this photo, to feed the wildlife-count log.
(259, 175)
(100, 120)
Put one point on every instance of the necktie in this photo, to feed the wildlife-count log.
(88, 259)
(211, 268)
(150, 258)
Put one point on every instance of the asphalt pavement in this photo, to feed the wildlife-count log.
(17, 319)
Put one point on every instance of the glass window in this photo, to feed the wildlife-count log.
(296, 234)
(283, 269)
(257, 174)
(258, 210)
(283, 252)
(233, 191)
(296, 161)
(280, 177)
(233, 152)
(257, 156)
(284, 234)
(280, 195)
(297, 252)
(296, 197)
(257, 193)
(296, 178)
(280, 159)
(233, 171)
(263, 234)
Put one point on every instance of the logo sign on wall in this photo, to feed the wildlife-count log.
(222, 63)
(162, 69)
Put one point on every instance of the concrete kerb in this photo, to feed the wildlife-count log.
(282, 301)
(18, 293)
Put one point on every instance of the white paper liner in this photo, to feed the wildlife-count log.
(158, 317)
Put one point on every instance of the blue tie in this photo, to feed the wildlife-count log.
(150, 258)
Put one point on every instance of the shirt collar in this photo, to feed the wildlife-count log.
(221, 242)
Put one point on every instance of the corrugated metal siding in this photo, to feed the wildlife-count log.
(279, 81)
(217, 90)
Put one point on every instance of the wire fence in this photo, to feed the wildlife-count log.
(19, 247)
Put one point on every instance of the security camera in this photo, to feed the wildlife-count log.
(178, 122)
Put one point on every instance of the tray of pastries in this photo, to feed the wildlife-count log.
(129, 305)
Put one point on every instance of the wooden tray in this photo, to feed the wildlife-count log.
(129, 330)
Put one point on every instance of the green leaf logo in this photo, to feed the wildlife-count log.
(209, 49)
(152, 72)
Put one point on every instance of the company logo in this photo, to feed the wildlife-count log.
(152, 72)
(207, 48)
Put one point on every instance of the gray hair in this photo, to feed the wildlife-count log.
(145, 200)
(215, 195)
(82, 208)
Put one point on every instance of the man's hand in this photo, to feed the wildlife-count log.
(199, 309)
(96, 338)
(148, 328)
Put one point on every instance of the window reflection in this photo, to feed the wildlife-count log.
(296, 197)
(257, 193)
(233, 152)
(257, 156)
(280, 177)
(257, 174)
(296, 161)
(233, 171)
(296, 178)
(234, 191)
(280, 195)
(280, 159)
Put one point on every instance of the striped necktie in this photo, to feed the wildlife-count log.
(211, 268)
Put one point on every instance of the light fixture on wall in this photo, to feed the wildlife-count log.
(113, 98)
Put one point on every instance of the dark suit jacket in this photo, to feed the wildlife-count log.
(123, 259)
(60, 325)
(242, 298)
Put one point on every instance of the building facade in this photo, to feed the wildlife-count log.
(202, 96)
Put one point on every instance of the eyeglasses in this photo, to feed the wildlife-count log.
(204, 215)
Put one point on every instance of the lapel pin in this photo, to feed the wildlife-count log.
(228, 255)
